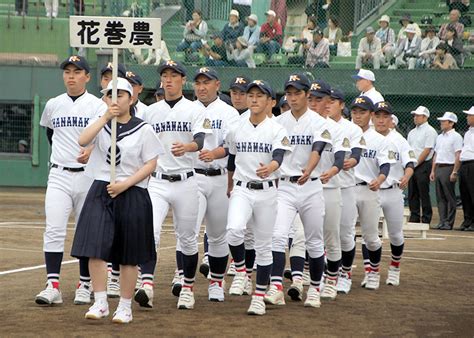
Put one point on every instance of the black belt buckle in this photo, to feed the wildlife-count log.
(174, 178)
(361, 183)
(255, 185)
(294, 179)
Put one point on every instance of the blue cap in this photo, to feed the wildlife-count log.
(282, 101)
(362, 102)
(225, 98)
(383, 106)
(298, 81)
(337, 94)
(240, 83)
(262, 85)
(320, 88)
(159, 89)
(76, 60)
(121, 71)
(133, 78)
(210, 73)
(174, 65)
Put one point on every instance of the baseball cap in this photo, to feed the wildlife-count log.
(122, 84)
(448, 116)
(421, 110)
(364, 74)
(23, 142)
(363, 102)
(370, 30)
(298, 81)
(410, 29)
(210, 73)
(262, 85)
(385, 18)
(240, 83)
(174, 65)
(320, 88)
(234, 12)
(406, 17)
(383, 106)
(282, 101)
(133, 78)
(395, 119)
(470, 111)
(337, 94)
(270, 12)
(253, 17)
(76, 60)
(159, 89)
(108, 67)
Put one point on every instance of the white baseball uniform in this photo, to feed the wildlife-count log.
(140, 108)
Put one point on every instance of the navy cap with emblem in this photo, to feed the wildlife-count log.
(362, 102)
(262, 85)
(240, 83)
(337, 94)
(78, 61)
(298, 81)
(173, 65)
(383, 106)
(320, 88)
(210, 73)
(283, 101)
(159, 89)
(133, 78)
(121, 71)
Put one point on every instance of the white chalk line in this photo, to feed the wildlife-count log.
(21, 250)
(432, 260)
(441, 252)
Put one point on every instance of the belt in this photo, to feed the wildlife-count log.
(210, 172)
(73, 170)
(173, 178)
(294, 179)
(362, 183)
(467, 162)
(391, 187)
(253, 185)
(441, 165)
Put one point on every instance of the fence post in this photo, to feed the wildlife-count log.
(36, 128)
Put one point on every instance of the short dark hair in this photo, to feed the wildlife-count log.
(334, 21)
(452, 28)
(313, 20)
(198, 12)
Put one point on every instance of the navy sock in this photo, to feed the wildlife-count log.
(365, 256)
(53, 265)
(249, 260)
(316, 268)
(179, 260)
(148, 268)
(190, 263)
(206, 244)
(397, 252)
(263, 277)
(297, 266)
(278, 264)
(218, 265)
(347, 260)
(238, 253)
(333, 268)
(84, 275)
(375, 258)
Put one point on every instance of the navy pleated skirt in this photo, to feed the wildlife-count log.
(118, 230)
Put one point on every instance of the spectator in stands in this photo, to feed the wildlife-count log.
(408, 49)
(270, 35)
(454, 45)
(334, 34)
(454, 16)
(52, 7)
(443, 60)
(242, 54)
(252, 31)
(318, 9)
(307, 34)
(279, 7)
(370, 49)
(461, 5)
(317, 54)
(21, 7)
(244, 7)
(387, 39)
(195, 33)
(23, 146)
(158, 55)
(404, 22)
(233, 29)
(427, 48)
(216, 56)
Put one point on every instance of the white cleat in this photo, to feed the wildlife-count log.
(296, 290)
(306, 278)
(312, 298)
(248, 286)
(139, 282)
(330, 290)
(344, 283)
(113, 288)
(274, 296)
(231, 270)
(257, 306)
(49, 295)
(216, 292)
(238, 284)
(98, 311)
(186, 299)
(365, 280)
(373, 281)
(83, 294)
(144, 296)
(393, 277)
(123, 315)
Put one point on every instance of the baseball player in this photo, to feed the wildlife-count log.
(106, 73)
(283, 104)
(160, 92)
(65, 117)
(181, 126)
(256, 147)
(391, 191)
(212, 177)
(121, 210)
(300, 190)
(137, 85)
(238, 93)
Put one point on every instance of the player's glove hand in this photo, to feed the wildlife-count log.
(116, 188)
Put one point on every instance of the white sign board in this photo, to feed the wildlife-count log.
(114, 32)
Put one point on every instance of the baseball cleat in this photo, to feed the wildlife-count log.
(306, 278)
(274, 296)
(98, 310)
(296, 290)
(204, 269)
(312, 298)
(123, 315)
(344, 283)
(216, 292)
(113, 288)
(373, 281)
(186, 299)
(231, 270)
(83, 294)
(49, 295)
(238, 284)
(287, 274)
(139, 282)
(248, 286)
(177, 286)
(393, 277)
(365, 280)
(176, 278)
(330, 291)
(144, 296)
(257, 306)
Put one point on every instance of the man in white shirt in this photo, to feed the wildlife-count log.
(365, 83)
(422, 139)
(466, 183)
(370, 50)
(444, 170)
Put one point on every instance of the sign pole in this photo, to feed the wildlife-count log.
(113, 137)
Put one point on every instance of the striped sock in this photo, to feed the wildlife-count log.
(217, 267)
(249, 261)
(397, 252)
(53, 267)
(316, 268)
(375, 258)
(263, 277)
(297, 266)
(365, 255)
(189, 268)
(148, 272)
(278, 265)
(277, 281)
(238, 253)
(347, 258)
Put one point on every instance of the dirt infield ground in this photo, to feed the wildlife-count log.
(435, 297)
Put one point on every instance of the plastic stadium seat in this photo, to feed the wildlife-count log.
(259, 58)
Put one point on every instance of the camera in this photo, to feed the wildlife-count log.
(304, 41)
